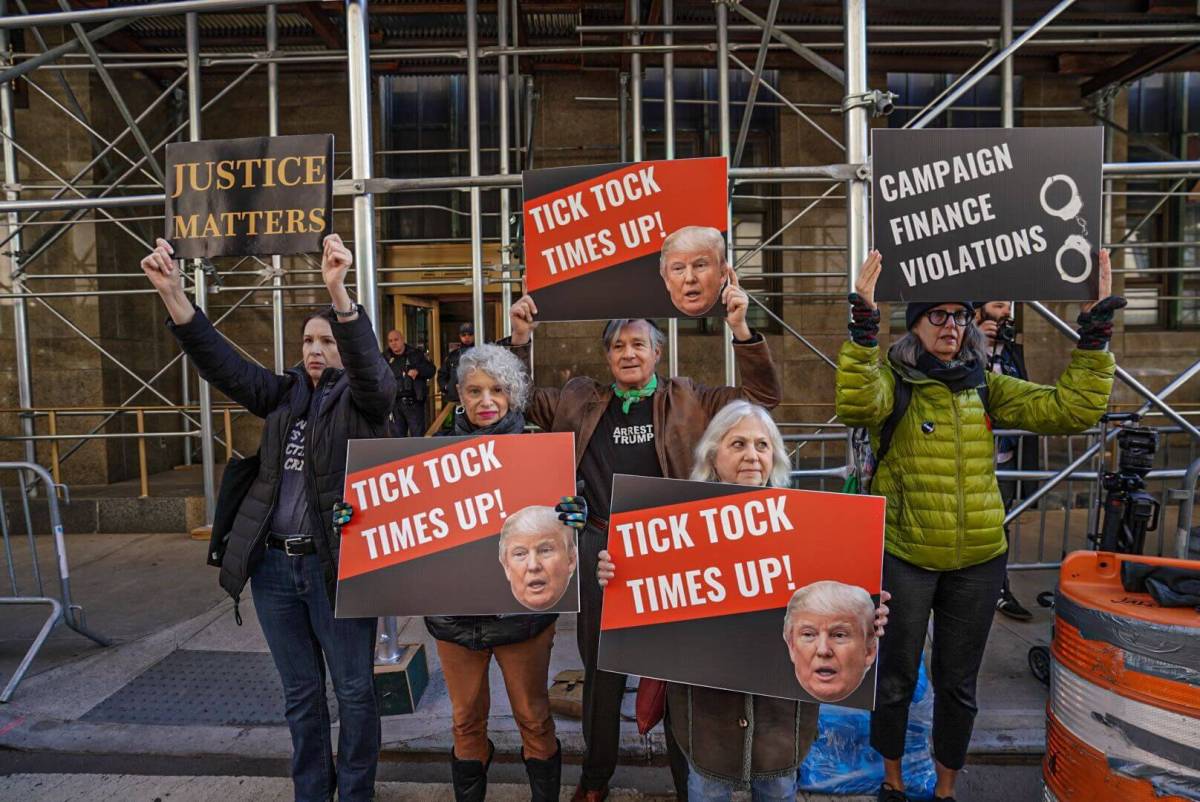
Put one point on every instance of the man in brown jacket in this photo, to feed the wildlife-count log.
(635, 424)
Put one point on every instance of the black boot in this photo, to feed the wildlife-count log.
(470, 776)
(545, 777)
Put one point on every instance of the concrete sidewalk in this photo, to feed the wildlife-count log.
(156, 598)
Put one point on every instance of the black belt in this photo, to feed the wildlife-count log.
(292, 545)
(408, 400)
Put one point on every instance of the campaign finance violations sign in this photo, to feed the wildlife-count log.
(458, 526)
(987, 213)
(594, 235)
(259, 196)
(705, 573)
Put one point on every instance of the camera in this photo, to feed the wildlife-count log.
(1129, 512)
(1006, 331)
(1138, 445)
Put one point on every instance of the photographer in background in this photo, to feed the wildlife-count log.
(1007, 357)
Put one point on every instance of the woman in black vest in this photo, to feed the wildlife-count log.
(280, 541)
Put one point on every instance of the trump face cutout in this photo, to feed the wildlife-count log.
(539, 556)
(693, 268)
(829, 629)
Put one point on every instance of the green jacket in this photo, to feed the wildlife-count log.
(943, 504)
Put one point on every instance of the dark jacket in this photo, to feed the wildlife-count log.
(740, 737)
(447, 375)
(411, 358)
(682, 408)
(1026, 446)
(357, 404)
(488, 631)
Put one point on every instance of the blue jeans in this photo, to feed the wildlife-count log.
(297, 620)
(703, 789)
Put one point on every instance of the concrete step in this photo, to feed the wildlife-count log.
(130, 515)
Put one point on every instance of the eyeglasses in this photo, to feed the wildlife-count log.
(938, 317)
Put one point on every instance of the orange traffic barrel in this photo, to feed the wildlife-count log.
(1124, 713)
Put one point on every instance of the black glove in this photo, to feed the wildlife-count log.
(342, 513)
(1096, 324)
(864, 321)
(573, 511)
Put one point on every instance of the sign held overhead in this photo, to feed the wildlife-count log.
(987, 213)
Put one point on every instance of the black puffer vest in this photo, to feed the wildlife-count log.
(488, 631)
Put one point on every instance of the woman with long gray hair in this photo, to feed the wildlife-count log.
(738, 740)
(930, 408)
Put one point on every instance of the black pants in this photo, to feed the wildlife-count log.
(1008, 494)
(604, 690)
(962, 603)
(409, 417)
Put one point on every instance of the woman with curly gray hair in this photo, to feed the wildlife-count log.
(493, 388)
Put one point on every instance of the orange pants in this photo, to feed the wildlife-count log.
(525, 667)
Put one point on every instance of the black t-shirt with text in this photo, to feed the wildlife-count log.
(291, 515)
(622, 443)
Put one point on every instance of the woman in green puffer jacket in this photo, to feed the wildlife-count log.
(944, 544)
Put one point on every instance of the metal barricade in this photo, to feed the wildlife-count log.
(1187, 506)
(1067, 481)
(62, 609)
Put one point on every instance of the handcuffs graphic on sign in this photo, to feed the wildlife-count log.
(1074, 242)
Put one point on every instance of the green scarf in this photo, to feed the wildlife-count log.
(631, 397)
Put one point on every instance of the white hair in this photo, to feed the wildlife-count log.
(693, 238)
(503, 366)
(828, 597)
(532, 520)
(730, 415)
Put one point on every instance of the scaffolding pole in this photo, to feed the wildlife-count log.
(856, 134)
(505, 208)
(723, 123)
(134, 10)
(668, 13)
(200, 280)
(992, 63)
(273, 131)
(473, 158)
(358, 46)
(1006, 67)
(20, 309)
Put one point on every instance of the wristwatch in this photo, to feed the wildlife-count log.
(339, 313)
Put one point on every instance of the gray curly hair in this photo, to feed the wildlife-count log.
(503, 366)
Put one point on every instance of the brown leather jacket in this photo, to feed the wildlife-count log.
(682, 408)
(739, 737)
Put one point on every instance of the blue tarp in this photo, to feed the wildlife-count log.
(842, 761)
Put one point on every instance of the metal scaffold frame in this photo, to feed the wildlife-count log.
(23, 205)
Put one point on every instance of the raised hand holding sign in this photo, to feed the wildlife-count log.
(336, 260)
(868, 277)
(736, 303)
(164, 274)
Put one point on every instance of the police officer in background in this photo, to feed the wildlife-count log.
(447, 376)
(412, 370)
(1007, 357)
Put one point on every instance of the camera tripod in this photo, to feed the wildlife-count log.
(1129, 511)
